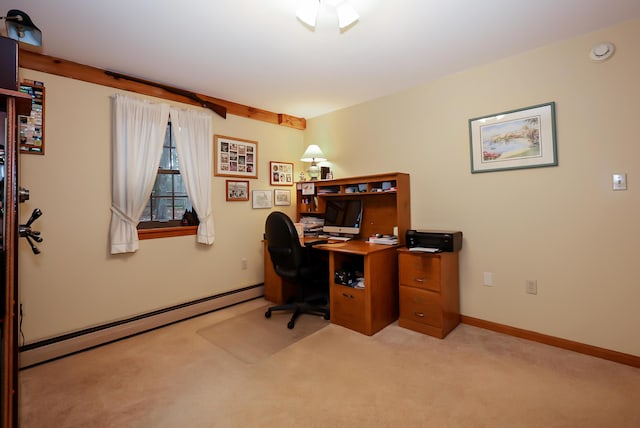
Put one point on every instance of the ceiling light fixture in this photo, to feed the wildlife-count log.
(308, 12)
(21, 28)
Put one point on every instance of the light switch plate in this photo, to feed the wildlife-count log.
(619, 181)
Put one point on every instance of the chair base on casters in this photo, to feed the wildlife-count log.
(298, 309)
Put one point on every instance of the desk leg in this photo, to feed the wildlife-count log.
(276, 289)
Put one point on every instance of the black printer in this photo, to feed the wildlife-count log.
(442, 240)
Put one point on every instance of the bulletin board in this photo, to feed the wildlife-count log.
(31, 127)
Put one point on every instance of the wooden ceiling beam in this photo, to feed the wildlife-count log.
(72, 70)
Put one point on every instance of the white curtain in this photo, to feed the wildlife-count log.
(192, 131)
(138, 134)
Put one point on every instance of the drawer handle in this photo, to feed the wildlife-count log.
(350, 296)
(419, 314)
(418, 279)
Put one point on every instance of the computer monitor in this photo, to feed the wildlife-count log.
(343, 216)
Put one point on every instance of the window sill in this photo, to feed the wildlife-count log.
(166, 232)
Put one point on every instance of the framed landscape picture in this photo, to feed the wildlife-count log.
(234, 157)
(281, 173)
(261, 199)
(282, 197)
(523, 138)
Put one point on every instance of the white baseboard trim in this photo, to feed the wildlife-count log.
(56, 348)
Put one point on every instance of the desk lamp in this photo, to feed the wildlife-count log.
(313, 154)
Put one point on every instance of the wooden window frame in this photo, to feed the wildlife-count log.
(166, 232)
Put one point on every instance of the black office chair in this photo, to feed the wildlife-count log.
(293, 262)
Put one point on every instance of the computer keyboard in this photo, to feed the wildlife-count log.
(316, 242)
(339, 238)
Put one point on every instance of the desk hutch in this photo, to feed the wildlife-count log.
(386, 201)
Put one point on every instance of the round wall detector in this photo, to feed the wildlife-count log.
(602, 51)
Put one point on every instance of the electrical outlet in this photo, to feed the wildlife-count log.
(244, 263)
(532, 286)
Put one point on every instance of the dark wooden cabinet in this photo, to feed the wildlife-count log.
(12, 103)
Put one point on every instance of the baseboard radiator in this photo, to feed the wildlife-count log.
(49, 349)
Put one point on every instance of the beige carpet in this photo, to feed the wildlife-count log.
(475, 378)
(251, 337)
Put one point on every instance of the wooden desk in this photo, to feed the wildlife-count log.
(366, 310)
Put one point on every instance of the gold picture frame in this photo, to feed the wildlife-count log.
(281, 173)
(235, 157)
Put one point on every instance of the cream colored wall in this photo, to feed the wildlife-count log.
(75, 283)
(562, 226)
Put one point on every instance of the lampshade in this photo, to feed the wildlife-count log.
(21, 28)
(313, 154)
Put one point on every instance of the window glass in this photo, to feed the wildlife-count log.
(163, 186)
(169, 199)
(174, 159)
(178, 186)
(165, 160)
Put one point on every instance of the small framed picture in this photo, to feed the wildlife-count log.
(282, 197)
(261, 199)
(325, 173)
(308, 188)
(237, 190)
(281, 173)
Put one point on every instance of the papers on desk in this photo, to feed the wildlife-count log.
(424, 249)
(312, 225)
(386, 240)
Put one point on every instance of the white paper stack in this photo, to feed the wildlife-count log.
(386, 240)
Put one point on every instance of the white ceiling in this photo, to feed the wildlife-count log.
(255, 52)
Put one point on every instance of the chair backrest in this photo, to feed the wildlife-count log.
(283, 243)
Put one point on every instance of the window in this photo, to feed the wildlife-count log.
(169, 199)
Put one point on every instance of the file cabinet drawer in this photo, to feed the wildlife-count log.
(348, 307)
(421, 306)
(420, 270)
